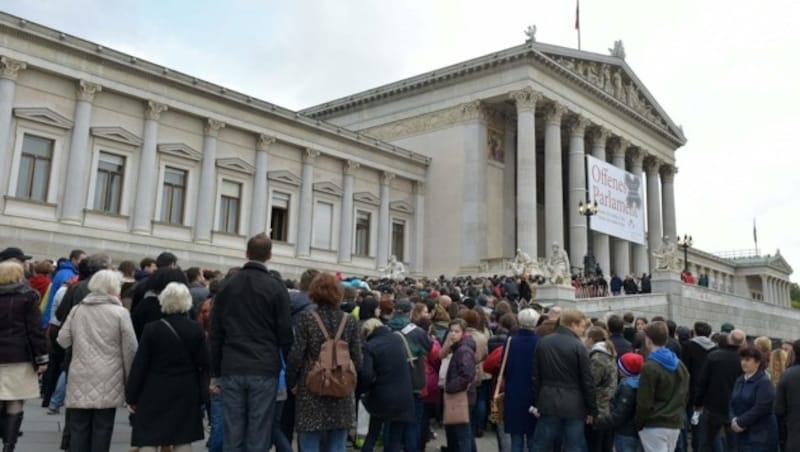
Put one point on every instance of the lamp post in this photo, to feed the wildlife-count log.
(685, 242)
(588, 210)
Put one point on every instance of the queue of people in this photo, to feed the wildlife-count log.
(266, 362)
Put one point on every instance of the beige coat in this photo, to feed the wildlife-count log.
(103, 342)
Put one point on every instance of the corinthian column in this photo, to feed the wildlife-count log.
(346, 228)
(9, 68)
(577, 188)
(621, 264)
(654, 233)
(553, 194)
(527, 238)
(204, 218)
(417, 265)
(145, 182)
(602, 252)
(641, 263)
(258, 212)
(668, 200)
(382, 254)
(306, 203)
(79, 153)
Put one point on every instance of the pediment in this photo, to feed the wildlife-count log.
(611, 75)
(779, 262)
(181, 150)
(117, 134)
(328, 187)
(284, 176)
(236, 164)
(367, 198)
(401, 206)
(43, 116)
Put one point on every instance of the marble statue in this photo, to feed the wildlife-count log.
(530, 32)
(618, 50)
(524, 265)
(394, 269)
(667, 257)
(558, 266)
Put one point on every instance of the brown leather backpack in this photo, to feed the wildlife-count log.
(333, 374)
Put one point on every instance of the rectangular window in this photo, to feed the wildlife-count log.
(173, 196)
(323, 221)
(108, 186)
(229, 202)
(34, 168)
(362, 233)
(399, 239)
(279, 217)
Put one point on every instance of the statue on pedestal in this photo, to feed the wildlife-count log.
(666, 256)
(524, 265)
(558, 266)
(394, 269)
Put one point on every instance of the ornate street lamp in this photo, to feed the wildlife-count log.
(588, 210)
(685, 242)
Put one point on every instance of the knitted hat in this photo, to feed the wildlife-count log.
(727, 327)
(630, 364)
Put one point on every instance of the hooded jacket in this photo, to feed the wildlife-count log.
(604, 372)
(64, 273)
(622, 409)
(663, 391)
(694, 357)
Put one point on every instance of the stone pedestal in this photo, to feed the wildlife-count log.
(668, 282)
(551, 293)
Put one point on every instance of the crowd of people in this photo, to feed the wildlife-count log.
(326, 361)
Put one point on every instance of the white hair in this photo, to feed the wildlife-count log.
(175, 299)
(528, 318)
(106, 282)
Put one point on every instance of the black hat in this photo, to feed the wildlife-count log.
(13, 253)
(403, 306)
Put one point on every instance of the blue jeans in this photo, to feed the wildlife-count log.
(549, 429)
(248, 405)
(459, 438)
(336, 441)
(503, 438)
(521, 442)
(57, 399)
(479, 412)
(279, 440)
(217, 423)
(624, 443)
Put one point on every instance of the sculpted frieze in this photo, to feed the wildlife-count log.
(438, 119)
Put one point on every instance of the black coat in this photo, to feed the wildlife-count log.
(623, 407)
(21, 337)
(787, 408)
(385, 377)
(715, 383)
(694, 358)
(146, 311)
(165, 383)
(621, 345)
(562, 376)
(250, 324)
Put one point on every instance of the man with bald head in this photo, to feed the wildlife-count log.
(713, 392)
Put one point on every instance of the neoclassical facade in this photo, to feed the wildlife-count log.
(107, 152)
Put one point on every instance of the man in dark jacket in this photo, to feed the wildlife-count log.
(616, 284)
(787, 404)
(663, 392)
(616, 327)
(713, 391)
(563, 382)
(250, 326)
(694, 358)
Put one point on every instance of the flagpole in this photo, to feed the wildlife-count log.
(578, 21)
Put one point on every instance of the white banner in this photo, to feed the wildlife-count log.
(620, 200)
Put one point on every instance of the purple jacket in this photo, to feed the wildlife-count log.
(461, 373)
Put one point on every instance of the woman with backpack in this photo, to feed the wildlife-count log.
(320, 418)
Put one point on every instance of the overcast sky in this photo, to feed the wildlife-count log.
(726, 70)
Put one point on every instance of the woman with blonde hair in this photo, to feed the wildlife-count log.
(778, 362)
(23, 349)
(764, 345)
(168, 381)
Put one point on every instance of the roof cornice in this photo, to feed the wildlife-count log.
(513, 55)
(55, 37)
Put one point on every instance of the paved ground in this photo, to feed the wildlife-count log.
(42, 433)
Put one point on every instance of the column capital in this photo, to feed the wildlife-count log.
(577, 125)
(668, 172)
(419, 188)
(387, 178)
(636, 156)
(9, 67)
(87, 90)
(473, 110)
(153, 110)
(652, 165)
(618, 145)
(264, 141)
(525, 99)
(310, 155)
(350, 167)
(554, 112)
(212, 127)
(599, 136)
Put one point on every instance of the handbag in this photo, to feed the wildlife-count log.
(456, 408)
(202, 377)
(498, 400)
